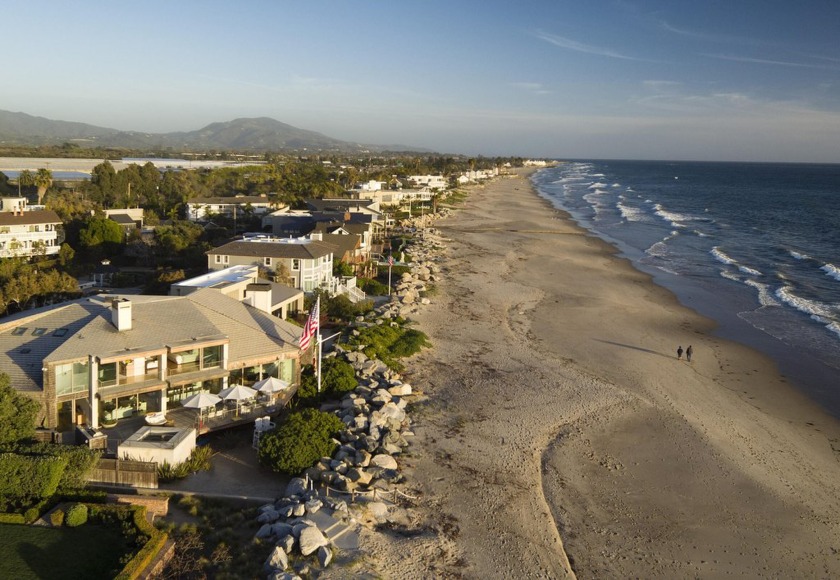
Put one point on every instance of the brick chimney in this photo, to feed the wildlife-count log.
(121, 313)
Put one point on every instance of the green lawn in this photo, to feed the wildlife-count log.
(90, 551)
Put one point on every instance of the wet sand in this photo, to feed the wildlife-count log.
(561, 436)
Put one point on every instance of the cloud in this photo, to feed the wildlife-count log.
(720, 38)
(786, 63)
(536, 88)
(570, 44)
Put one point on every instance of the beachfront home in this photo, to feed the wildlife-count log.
(244, 284)
(26, 233)
(308, 264)
(203, 208)
(112, 357)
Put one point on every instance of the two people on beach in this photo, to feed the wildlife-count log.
(688, 352)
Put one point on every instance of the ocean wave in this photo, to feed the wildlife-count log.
(817, 310)
(799, 256)
(631, 214)
(598, 185)
(720, 256)
(672, 217)
(659, 249)
(616, 185)
(765, 293)
(832, 271)
(701, 234)
(730, 275)
(748, 270)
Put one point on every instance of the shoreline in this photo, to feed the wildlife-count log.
(558, 420)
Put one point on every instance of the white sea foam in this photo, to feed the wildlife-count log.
(831, 270)
(616, 185)
(720, 256)
(598, 185)
(730, 275)
(674, 218)
(631, 214)
(765, 293)
(748, 270)
(817, 310)
(701, 234)
(799, 256)
(658, 249)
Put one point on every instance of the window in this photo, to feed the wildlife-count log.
(60, 332)
(71, 378)
(225, 259)
(267, 262)
(218, 258)
(39, 332)
(295, 264)
(19, 331)
(107, 374)
(212, 356)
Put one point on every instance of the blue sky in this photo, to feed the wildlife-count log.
(712, 80)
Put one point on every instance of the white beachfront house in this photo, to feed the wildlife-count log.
(28, 233)
(308, 263)
(203, 208)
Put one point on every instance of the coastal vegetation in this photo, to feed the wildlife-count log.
(302, 439)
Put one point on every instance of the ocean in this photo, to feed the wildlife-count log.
(753, 246)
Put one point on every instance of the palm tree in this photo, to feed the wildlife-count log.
(25, 179)
(43, 179)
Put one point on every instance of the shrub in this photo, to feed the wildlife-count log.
(57, 517)
(373, 287)
(300, 441)
(77, 515)
(27, 479)
(337, 378)
(389, 343)
(198, 460)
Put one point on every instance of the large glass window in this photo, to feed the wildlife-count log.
(71, 378)
(212, 356)
(107, 374)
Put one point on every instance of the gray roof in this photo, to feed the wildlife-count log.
(306, 251)
(30, 339)
(241, 200)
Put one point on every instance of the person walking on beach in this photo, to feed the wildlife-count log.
(679, 352)
(688, 352)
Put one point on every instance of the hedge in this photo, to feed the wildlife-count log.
(76, 515)
(150, 549)
(29, 478)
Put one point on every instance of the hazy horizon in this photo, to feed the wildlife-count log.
(753, 81)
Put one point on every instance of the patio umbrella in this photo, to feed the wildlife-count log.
(237, 393)
(271, 385)
(200, 401)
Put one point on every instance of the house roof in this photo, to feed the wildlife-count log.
(344, 243)
(81, 328)
(40, 216)
(239, 200)
(342, 205)
(300, 249)
(123, 219)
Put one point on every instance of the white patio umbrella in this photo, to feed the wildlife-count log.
(237, 393)
(200, 401)
(271, 385)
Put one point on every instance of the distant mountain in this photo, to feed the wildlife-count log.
(251, 135)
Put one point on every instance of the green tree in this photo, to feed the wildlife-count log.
(43, 181)
(101, 232)
(66, 255)
(300, 441)
(26, 179)
(17, 413)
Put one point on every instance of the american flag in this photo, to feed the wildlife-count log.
(310, 329)
(390, 260)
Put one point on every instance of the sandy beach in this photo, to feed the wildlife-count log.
(561, 437)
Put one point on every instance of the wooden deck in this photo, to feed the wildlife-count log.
(225, 416)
